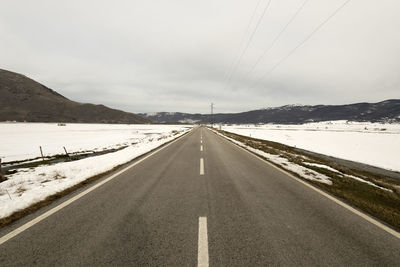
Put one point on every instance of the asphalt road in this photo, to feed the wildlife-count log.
(165, 212)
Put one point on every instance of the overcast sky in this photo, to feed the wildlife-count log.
(148, 56)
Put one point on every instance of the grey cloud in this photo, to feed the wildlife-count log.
(145, 56)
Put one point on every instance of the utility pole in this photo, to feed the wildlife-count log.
(212, 115)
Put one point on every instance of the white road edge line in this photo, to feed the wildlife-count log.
(337, 201)
(202, 253)
(31, 223)
(201, 166)
(201, 147)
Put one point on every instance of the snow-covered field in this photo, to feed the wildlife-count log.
(22, 140)
(371, 143)
(302, 169)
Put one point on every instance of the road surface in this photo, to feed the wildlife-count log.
(200, 201)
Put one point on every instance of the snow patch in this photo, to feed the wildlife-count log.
(29, 186)
(306, 173)
(322, 166)
(285, 163)
(188, 121)
(367, 182)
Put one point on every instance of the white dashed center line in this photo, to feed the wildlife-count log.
(202, 253)
(201, 166)
(201, 147)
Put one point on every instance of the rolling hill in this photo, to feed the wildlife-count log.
(23, 99)
(385, 111)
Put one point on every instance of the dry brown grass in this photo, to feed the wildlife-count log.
(20, 190)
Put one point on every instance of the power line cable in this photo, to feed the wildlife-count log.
(248, 43)
(242, 39)
(277, 37)
(300, 44)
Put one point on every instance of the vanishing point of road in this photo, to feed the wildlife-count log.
(198, 201)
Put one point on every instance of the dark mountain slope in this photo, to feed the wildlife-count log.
(385, 111)
(23, 99)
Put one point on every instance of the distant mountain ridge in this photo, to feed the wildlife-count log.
(23, 99)
(385, 111)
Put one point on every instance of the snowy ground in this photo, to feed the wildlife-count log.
(371, 143)
(303, 170)
(21, 141)
(286, 164)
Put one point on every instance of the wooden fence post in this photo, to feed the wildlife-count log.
(66, 151)
(2, 178)
(41, 152)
